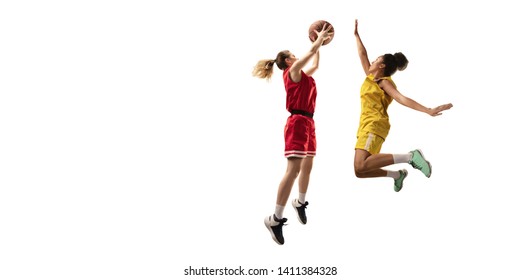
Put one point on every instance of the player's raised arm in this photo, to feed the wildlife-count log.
(362, 52)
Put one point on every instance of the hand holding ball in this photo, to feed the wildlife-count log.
(316, 27)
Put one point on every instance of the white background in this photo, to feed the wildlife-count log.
(135, 143)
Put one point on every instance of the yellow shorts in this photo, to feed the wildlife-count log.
(370, 142)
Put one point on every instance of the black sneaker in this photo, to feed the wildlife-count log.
(300, 209)
(274, 226)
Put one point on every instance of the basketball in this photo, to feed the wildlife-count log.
(318, 26)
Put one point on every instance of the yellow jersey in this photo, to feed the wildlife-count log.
(374, 104)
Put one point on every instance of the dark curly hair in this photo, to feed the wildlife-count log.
(394, 62)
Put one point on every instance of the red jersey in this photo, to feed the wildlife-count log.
(301, 95)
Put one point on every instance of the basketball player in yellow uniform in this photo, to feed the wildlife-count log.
(377, 92)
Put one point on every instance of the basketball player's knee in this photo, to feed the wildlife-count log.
(359, 169)
(293, 172)
(359, 174)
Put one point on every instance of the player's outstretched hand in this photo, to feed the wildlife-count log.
(437, 110)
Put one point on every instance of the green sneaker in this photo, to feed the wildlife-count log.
(398, 183)
(419, 162)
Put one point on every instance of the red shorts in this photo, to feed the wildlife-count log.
(300, 137)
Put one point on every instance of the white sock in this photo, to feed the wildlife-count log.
(278, 211)
(393, 174)
(301, 198)
(402, 158)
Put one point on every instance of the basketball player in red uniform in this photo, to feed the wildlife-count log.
(300, 137)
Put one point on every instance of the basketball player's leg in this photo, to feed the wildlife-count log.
(368, 162)
(367, 165)
(294, 152)
(285, 187)
(300, 204)
(367, 159)
(305, 174)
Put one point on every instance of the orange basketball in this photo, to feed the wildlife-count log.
(318, 26)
